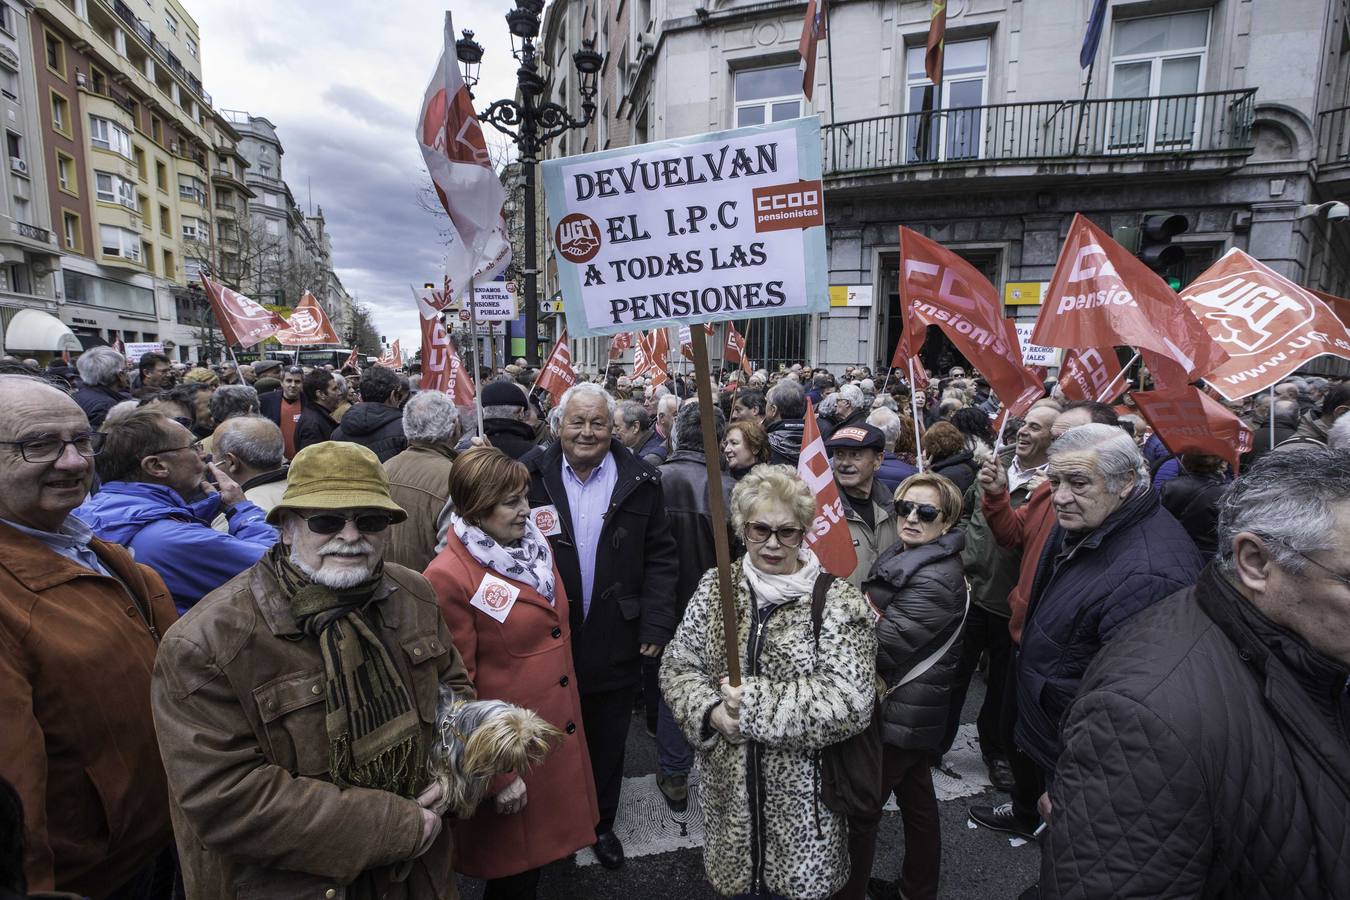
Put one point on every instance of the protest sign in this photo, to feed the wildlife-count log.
(689, 230)
(135, 351)
(1034, 354)
(495, 301)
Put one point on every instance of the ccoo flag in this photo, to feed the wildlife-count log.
(1087, 373)
(619, 343)
(441, 369)
(461, 171)
(557, 374)
(735, 350)
(828, 535)
(1187, 420)
(1101, 295)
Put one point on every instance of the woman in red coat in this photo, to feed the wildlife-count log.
(500, 593)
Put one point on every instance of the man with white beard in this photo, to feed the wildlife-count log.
(295, 705)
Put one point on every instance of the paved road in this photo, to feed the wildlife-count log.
(664, 859)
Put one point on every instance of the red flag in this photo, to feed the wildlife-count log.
(814, 28)
(392, 358)
(353, 360)
(619, 343)
(937, 41)
(307, 325)
(653, 352)
(735, 349)
(686, 345)
(1086, 373)
(441, 369)
(1338, 305)
(437, 298)
(241, 320)
(1101, 295)
(119, 346)
(920, 374)
(557, 375)
(937, 287)
(1268, 325)
(828, 536)
(1188, 420)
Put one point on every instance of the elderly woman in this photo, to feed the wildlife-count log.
(501, 596)
(945, 447)
(746, 446)
(767, 831)
(919, 588)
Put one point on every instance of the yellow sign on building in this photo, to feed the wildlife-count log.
(1025, 293)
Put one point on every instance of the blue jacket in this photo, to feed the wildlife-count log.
(175, 538)
(1138, 556)
(893, 471)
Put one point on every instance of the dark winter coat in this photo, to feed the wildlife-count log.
(315, 426)
(959, 468)
(1285, 428)
(653, 450)
(96, 401)
(1206, 756)
(1138, 556)
(785, 441)
(376, 427)
(893, 471)
(1193, 500)
(684, 481)
(269, 406)
(511, 436)
(921, 595)
(636, 568)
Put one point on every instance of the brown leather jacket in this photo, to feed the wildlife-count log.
(238, 701)
(76, 737)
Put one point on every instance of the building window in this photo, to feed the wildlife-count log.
(1160, 57)
(70, 231)
(56, 54)
(191, 47)
(66, 179)
(161, 176)
(271, 200)
(190, 188)
(108, 135)
(958, 133)
(98, 82)
(91, 290)
(273, 227)
(60, 114)
(123, 242)
(193, 267)
(111, 188)
(768, 95)
(14, 144)
(170, 23)
(9, 83)
(194, 229)
(139, 156)
(165, 223)
(170, 270)
(6, 19)
(156, 130)
(148, 254)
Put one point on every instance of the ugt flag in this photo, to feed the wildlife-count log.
(461, 170)
(391, 358)
(242, 321)
(828, 535)
(308, 325)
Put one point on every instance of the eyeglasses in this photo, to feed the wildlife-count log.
(332, 523)
(788, 535)
(196, 447)
(1335, 576)
(927, 511)
(49, 448)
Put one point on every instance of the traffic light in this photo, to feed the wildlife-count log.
(1156, 249)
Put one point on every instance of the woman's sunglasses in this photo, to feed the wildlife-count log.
(329, 523)
(927, 511)
(788, 535)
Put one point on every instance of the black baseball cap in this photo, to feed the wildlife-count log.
(503, 393)
(857, 437)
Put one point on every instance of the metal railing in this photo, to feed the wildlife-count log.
(142, 31)
(1215, 121)
(1333, 136)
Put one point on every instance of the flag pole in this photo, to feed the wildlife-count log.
(829, 75)
(914, 407)
(1109, 389)
(1082, 109)
(889, 372)
(1270, 417)
(477, 361)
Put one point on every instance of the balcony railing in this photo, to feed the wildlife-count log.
(1217, 121)
(33, 233)
(127, 15)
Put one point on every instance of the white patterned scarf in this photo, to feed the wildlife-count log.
(771, 589)
(529, 561)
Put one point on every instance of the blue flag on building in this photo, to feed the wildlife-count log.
(1093, 36)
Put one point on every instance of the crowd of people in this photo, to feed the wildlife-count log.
(233, 600)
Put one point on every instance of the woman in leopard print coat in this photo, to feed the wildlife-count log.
(766, 830)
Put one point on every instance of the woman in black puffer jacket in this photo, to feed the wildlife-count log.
(919, 588)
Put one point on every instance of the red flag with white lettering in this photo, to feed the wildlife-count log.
(353, 360)
(392, 357)
(557, 375)
(735, 350)
(1101, 295)
(441, 369)
(1187, 420)
(241, 320)
(652, 355)
(828, 535)
(619, 343)
(308, 325)
(938, 287)
(813, 29)
(686, 347)
(1086, 373)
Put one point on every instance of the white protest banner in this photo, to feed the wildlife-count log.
(136, 351)
(689, 230)
(1034, 354)
(495, 301)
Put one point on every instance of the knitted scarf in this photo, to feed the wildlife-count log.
(373, 729)
(530, 560)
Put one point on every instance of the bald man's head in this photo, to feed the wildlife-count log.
(246, 446)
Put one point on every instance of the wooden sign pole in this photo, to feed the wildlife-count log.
(716, 506)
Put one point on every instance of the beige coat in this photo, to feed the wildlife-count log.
(419, 481)
(869, 543)
(238, 704)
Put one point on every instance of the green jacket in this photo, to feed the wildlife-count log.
(869, 543)
(991, 569)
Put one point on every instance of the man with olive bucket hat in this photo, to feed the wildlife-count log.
(295, 706)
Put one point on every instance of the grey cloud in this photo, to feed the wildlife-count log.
(366, 106)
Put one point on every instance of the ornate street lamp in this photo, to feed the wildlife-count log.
(531, 124)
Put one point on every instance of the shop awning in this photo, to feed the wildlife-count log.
(35, 331)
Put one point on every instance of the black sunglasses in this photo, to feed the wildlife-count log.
(332, 523)
(927, 511)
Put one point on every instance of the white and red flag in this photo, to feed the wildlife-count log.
(828, 535)
(353, 360)
(1087, 373)
(735, 349)
(1268, 325)
(441, 369)
(308, 325)
(438, 298)
(814, 27)
(619, 343)
(557, 374)
(242, 321)
(652, 354)
(461, 171)
(392, 357)
(686, 341)
(1101, 295)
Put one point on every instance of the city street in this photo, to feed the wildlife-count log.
(664, 859)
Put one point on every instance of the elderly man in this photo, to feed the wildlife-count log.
(158, 499)
(296, 706)
(103, 377)
(376, 422)
(227, 402)
(856, 454)
(1206, 753)
(1313, 428)
(249, 450)
(664, 421)
(317, 420)
(419, 477)
(784, 413)
(605, 514)
(633, 427)
(506, 415)
(79, 622)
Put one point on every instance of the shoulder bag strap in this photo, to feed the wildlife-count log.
(931, 661)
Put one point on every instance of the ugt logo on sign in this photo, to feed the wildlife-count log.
(577, 238)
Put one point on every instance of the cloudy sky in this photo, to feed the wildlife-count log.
(342, 81)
